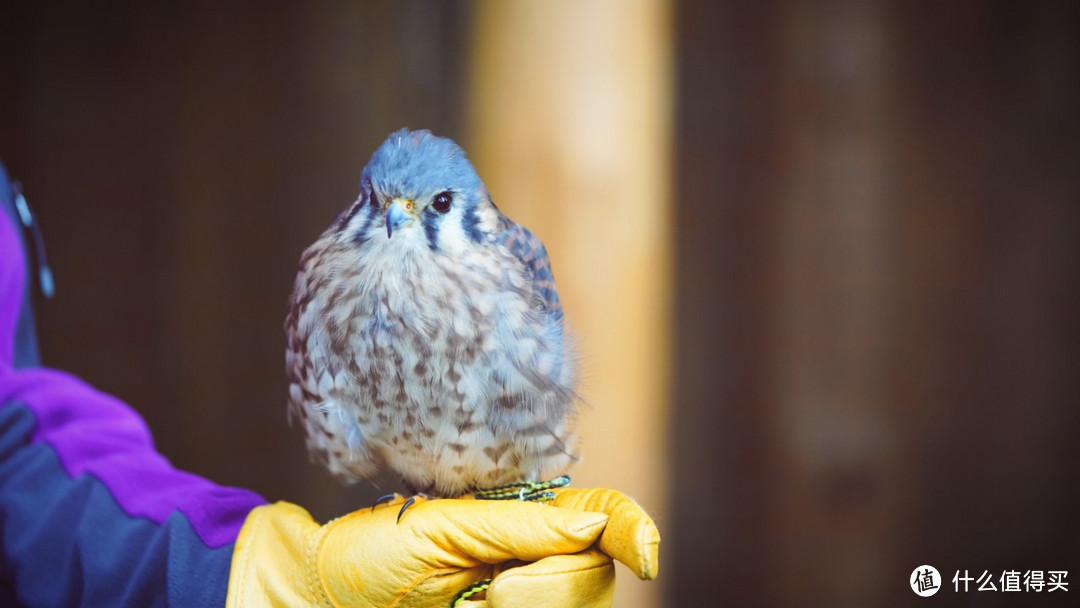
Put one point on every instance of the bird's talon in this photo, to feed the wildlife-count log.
(385, 498)
(408, 503)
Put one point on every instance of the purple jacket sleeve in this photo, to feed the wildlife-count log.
(90, 513)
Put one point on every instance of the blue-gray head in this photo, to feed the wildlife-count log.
(419, 184)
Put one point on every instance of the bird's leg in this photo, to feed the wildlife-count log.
(527, 491)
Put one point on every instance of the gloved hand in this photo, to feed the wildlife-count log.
(441, 547)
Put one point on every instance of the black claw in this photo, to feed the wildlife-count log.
(384, 498)
(408, 503)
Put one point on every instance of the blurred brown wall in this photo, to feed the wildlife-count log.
(877, 299)
(181, 157)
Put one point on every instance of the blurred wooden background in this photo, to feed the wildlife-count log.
(180, 159)
(866, 240)
(878, 233)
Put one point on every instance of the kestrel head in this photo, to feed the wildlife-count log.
(421, 186)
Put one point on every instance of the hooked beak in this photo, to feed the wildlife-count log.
(398, 213)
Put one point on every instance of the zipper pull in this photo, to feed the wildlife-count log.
(45, 276)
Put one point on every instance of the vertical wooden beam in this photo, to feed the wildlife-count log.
(569, 118)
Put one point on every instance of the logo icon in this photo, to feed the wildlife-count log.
(925, 581)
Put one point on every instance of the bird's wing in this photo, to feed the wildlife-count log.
(527, 248)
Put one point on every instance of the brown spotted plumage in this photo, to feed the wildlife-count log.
(425, 334)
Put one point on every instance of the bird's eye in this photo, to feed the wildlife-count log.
(442, 202)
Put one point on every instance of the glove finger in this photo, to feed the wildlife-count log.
(630, 536)
(580, 580)
(497, 531)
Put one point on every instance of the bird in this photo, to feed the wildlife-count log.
(425, 335)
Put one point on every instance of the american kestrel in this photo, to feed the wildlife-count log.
(425, 334)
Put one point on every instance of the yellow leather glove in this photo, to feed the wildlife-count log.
(441, 547)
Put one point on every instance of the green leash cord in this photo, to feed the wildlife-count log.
(530, 491)
(470, 591)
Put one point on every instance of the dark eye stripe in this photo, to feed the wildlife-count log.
(367, 195)
(431, 229)
(470, 223)
(361, 234)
